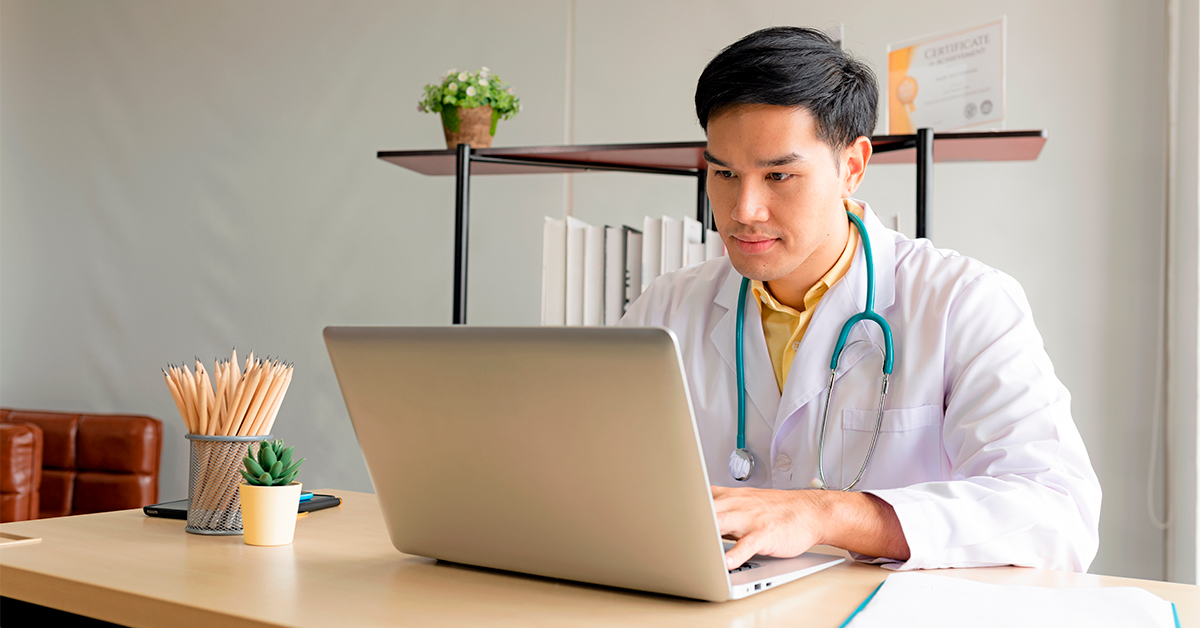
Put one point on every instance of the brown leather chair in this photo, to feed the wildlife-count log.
(20, 471)
(94, 462)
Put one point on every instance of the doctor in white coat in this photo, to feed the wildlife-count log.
(978, 461)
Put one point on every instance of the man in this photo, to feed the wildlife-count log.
(977, 462)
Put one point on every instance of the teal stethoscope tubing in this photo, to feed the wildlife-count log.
(868, 314)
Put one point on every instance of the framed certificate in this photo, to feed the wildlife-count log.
(948, 81)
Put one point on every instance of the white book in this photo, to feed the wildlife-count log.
(614, 274)
(576, 229)
(593, 276)
(693, 232)
(651, 250)
(554, 272)
(672, 244)
(713, 246)
(633, 267)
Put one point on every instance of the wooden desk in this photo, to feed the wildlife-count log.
(130, 569)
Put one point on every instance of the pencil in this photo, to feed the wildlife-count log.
(253, 375)
(264, 384)
(260, 413)
(212, 403)
(178, 398)
(219, 418)
(278, 401)
(187, 386)
(229, 401)
(256, 402)
(236, 392)
(202, 397)
(237, 372)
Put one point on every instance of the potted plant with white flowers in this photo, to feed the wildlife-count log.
(471, 103)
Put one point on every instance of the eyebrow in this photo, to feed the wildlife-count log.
(713, 160)
(784, 160)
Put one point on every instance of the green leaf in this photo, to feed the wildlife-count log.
(287, 478)
(267, 457)
(265, 479)
(495, 119)
(295, 467)
(253, 467)
(276, 469)
(249, 478)
(450, 118)
(286, 458)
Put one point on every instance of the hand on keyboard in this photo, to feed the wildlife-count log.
(744, 567)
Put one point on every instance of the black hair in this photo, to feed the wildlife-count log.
(793, 67)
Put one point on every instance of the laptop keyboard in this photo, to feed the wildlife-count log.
(744, 567)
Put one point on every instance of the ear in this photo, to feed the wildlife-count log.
(855, 159)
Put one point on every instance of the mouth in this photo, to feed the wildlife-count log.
(754, 245)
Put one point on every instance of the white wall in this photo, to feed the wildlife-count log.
(1183, 313)
(177, 178)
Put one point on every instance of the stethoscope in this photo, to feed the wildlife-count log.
(741, 462)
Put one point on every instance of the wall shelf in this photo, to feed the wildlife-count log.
(687, 159)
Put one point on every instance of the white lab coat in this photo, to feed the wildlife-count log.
(978, 454)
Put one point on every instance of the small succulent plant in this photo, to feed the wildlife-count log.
(274, 466)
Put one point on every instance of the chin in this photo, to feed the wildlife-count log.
(754, 271)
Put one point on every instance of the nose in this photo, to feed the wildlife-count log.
(751, 203)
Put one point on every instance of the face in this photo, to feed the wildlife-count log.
(776, 192)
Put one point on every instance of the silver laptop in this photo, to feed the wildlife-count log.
(560, 452)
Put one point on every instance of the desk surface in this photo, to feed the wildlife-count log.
(130, 569)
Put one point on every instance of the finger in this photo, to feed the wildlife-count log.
(727, 498)
(741, 551)
(735, 522)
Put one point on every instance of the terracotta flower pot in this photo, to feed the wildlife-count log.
(474, 126)
(269, 513)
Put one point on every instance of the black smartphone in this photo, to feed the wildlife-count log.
(178, 509)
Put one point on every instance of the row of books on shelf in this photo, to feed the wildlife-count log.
(591, 274)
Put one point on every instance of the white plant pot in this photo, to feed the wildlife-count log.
(269, 513)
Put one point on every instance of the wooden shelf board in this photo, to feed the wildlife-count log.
(979, 146)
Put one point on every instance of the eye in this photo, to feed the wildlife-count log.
(779, 176)
(723, 174)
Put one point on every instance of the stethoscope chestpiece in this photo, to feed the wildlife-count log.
(741, 465)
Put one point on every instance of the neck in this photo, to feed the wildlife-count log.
(791, 289)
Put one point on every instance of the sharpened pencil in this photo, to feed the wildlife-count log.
(229, 401)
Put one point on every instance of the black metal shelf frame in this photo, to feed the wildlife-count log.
(465, 156)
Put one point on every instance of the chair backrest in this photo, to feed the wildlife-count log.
(95, 462)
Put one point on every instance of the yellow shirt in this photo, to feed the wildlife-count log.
(783, 326)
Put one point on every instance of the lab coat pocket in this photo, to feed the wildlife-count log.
(909, 450)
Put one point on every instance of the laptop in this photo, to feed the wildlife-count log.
(563, 452)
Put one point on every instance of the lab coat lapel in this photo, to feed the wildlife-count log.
(761, 390)
(809, 375)
(883, 246)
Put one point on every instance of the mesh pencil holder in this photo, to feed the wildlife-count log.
(213, 478)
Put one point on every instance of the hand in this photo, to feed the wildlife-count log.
(769, 522)
(787, 523)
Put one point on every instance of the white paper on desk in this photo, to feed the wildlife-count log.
(929, 601)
